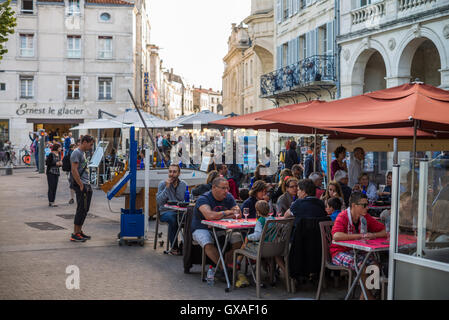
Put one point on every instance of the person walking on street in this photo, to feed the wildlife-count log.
(34, 148)
(53, 163)
(80, 183)
(67, 143)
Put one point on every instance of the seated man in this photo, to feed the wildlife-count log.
(171, 189)
(215, 205)
(347, 227)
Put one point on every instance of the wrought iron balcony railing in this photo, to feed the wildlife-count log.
(300, 74)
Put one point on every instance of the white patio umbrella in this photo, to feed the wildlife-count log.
(101, 124)
(131, 117)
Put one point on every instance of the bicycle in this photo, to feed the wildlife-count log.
(25, 156)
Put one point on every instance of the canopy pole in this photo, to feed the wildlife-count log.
(415, 127)
(314, 151)
(144, 123)
(395, 151)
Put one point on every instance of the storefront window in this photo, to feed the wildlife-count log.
(4, 132)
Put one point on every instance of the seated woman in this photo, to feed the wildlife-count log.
(279, 189)
(333, 190)
(257, 192)
(366, 187)
(285, 201)
(203, 188)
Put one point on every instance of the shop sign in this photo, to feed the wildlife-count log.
(24, 109)
(146, 84)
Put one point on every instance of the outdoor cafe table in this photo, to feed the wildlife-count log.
(178, 209)
(370, 246)
(229, 225)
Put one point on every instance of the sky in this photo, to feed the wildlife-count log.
(193, 36)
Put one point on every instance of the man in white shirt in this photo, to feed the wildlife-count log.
(356, 166)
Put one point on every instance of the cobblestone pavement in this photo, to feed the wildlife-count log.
(33, 262)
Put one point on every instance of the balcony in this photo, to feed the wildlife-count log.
(306, 76)
(368, 13)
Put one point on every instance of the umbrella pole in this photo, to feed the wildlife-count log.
(144, 123)
(415, 127)
(314, 151)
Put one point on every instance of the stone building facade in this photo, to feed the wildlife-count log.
(305, 59)
(387, 43)
(65, 61)
(250, 55)
(207, 99)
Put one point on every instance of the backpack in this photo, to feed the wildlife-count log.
(66, 165)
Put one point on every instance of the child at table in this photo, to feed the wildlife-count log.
(252, 240)
(333, 207)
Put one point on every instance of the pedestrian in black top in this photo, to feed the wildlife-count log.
(291, 156)
(53, 162)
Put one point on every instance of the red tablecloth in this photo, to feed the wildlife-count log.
(231, 223)
(376, 244)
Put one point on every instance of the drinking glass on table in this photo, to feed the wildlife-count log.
(246, 213)
(236, 213)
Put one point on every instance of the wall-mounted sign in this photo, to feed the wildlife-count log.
(146, 84)
(24, 109)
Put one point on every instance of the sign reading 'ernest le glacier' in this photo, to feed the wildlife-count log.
(24, 109)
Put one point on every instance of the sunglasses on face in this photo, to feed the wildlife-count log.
(363, 204)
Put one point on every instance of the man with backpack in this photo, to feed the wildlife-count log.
(67, 168)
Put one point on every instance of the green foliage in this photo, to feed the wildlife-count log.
(7, 24)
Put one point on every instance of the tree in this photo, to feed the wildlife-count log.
(7, 24)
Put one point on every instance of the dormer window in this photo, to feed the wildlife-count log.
(74, 8)
(105, 16)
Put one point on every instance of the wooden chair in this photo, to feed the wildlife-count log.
(326, 260)
(158, 221)
(276, 235)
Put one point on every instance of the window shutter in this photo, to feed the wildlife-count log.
(330, 38)
(279, 57)
(315, 40)
(308, 2)
(279, 11)
(290, 7)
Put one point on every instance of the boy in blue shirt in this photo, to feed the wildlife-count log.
(333, 207)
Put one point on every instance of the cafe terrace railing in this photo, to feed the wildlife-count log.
(303, 73)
